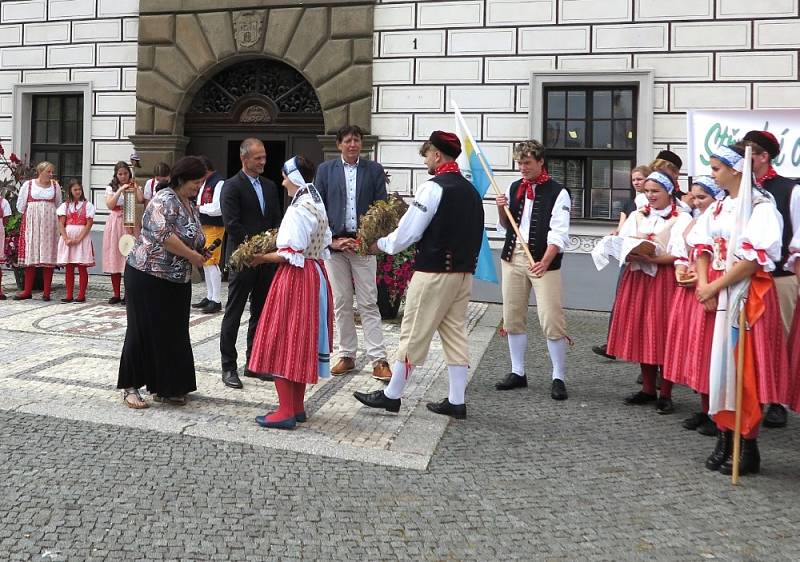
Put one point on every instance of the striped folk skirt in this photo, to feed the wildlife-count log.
(794, 360)
(771, 354)
(690, 333)
(640, 316)
(295, 332)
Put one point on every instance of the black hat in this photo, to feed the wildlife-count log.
(671, 157)
(446, 142)
(765, 140)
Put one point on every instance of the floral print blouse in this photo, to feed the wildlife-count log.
(166, 215)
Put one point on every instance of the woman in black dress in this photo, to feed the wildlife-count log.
(157, 352)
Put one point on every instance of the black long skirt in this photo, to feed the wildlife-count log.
(157, 353)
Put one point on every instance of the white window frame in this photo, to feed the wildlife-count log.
(22, 95)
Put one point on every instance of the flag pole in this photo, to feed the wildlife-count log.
(737, 431)
(496, 188)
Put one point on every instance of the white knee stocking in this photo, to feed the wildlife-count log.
(400, 375)
(213, 282)
(458, 383)
(517, 343)
(558, 357)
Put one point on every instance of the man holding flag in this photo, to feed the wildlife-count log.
(540, 207)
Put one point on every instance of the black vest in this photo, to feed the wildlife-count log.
(212, 180)
(541, 211)
(781, 189)
(452, 241)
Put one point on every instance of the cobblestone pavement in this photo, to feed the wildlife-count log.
(523, 478)
(61, 359)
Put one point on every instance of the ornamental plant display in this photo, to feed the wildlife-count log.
(13, 172)
(394, 273)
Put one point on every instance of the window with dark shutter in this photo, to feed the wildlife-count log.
(57, 133)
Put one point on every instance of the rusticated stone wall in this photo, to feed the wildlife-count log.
(182, 44)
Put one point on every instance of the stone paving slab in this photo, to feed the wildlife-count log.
(61, 360)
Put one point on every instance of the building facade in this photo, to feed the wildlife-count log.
(606, 84)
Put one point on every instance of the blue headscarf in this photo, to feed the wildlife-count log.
(708, 184)
(663, 180)
(729, 157)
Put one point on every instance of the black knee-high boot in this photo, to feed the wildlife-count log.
(722, 452)
(749, 459)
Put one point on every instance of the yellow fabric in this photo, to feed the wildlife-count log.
(435, 302)
(516, 286)
(212, 233)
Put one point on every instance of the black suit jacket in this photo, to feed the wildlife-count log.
(241, 210)
(332, 186)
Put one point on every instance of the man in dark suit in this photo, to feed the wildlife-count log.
(250, 206)
(348, 186)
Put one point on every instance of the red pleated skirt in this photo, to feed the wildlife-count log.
(771, 354)
(794, 360)
(639, 324)
(286, 342)
(690, 333)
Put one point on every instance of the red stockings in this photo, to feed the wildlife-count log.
(290, 399)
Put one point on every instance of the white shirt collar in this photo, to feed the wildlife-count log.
(346, 163)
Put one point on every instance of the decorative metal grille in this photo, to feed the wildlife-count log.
(279, 82)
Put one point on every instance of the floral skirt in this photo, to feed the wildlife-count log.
(38, 235)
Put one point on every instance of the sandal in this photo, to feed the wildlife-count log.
(137, 403)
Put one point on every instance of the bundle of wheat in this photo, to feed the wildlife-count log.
(381, 219)
(263, 243)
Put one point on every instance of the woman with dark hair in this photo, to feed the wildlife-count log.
(160, 177)
(113, 260)
(157, 352)
(75, 249)
(293, 342)
(639, 318)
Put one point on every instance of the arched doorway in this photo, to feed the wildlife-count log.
(262, 98)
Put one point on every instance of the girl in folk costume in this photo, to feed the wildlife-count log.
(161, 173)
(75, 218)
(113, 260)
(757, 248)
(38, 236)
(5, 213)
(690, 328)
(293, 342)
(641, 309)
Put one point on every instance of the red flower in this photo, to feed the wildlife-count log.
(14, 159)
(2, 150)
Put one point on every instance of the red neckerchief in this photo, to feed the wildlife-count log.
(208, 194)
(447, 167)
(768, 175)
(673, 213)
(527, 187)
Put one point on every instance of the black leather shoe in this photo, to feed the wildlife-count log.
(664, 406)
(775, 416)
(445, 408)
(260, 376)
(201, 304)
(708, 428)
(722, 451)
(212, 308)
(231, 379)
(558, 390)
(749, 459)
(511, 381)
(114, 300)
(697, 419)
(65, 299)
(640, 397)
(601, 351)
(378, 399)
